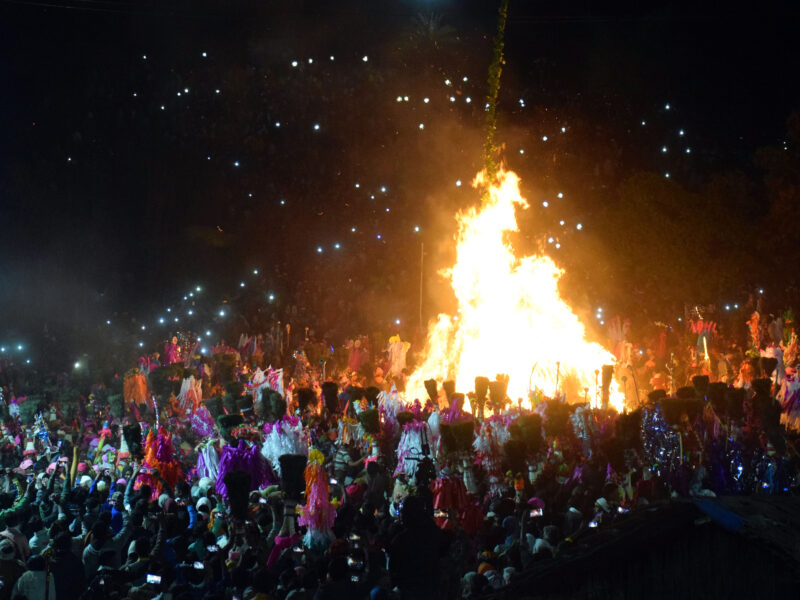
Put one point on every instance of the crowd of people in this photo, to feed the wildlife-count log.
(220, 476)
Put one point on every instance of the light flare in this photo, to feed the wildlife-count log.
(511, 318)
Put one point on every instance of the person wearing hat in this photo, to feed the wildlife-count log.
(11, 568)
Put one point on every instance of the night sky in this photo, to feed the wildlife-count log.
(149, 148)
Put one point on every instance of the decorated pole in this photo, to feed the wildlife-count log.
(495, 70)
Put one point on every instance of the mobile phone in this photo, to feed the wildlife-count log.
(262, 500)
(199, 565)
(622, 510)
(297, 549)
(354, 578)
(153, 578)
(537, 512)
(354, 563)
(102, 581)
(333, 481)
(593, 524)
(354, 537)
(212, 548)
(439, 514)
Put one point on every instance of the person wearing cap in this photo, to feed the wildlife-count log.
(11, 568)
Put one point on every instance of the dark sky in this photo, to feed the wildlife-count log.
(108, 207)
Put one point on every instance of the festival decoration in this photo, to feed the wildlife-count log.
(208, 460)
(285, 436)
(162, 466)
(247, 458)
(317, 514)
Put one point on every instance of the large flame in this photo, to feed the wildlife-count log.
(511, 318)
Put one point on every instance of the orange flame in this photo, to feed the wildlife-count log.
(511, 318)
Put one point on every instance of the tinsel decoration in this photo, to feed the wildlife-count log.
(208, 460)
(660, 443)
(135, 388)
(410, 449)
(317, 514)
(488, 446)
(789, 397)
(190, 395)
(201, 422)
(159, 454)
(582, 427)
(285, 436)
(244, 457)
(391, 406)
